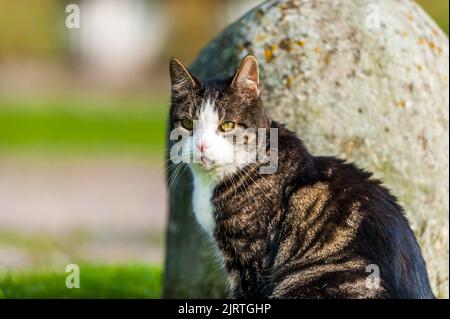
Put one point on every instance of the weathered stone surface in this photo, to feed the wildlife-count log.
(375, 94)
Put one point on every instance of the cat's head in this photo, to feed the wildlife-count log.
(218, 119)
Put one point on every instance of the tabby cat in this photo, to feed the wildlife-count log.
(317, 227)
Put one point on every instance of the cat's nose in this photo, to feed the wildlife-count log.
(202, 146)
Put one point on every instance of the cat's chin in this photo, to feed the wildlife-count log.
(211, 170)
(213, 173)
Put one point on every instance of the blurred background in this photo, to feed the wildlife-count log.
(82, 138)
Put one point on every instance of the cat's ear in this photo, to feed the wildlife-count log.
(246, 79)
(182, 80)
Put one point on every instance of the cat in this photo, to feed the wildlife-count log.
(318, 227)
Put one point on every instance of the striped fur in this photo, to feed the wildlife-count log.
(311, 229)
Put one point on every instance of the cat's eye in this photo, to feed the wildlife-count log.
(227, 126)
(188, 124)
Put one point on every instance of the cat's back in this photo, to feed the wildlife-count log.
(342, 221)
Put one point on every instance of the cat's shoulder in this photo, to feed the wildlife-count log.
(338, 171)
(349, 184)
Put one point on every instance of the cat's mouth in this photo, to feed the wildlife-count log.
(207, 163)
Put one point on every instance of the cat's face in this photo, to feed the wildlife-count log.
(218, 120)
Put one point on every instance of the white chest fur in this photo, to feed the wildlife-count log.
(202, 205)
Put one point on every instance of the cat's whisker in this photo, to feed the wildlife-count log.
(245, 182)
(264, 179)
(173, 172)
(164, 168)
(172, 180)
(234, 184)
(257, 185)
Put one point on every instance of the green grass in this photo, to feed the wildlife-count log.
(438, 10)
(71, 127)
(96, 281)
(80, 126)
